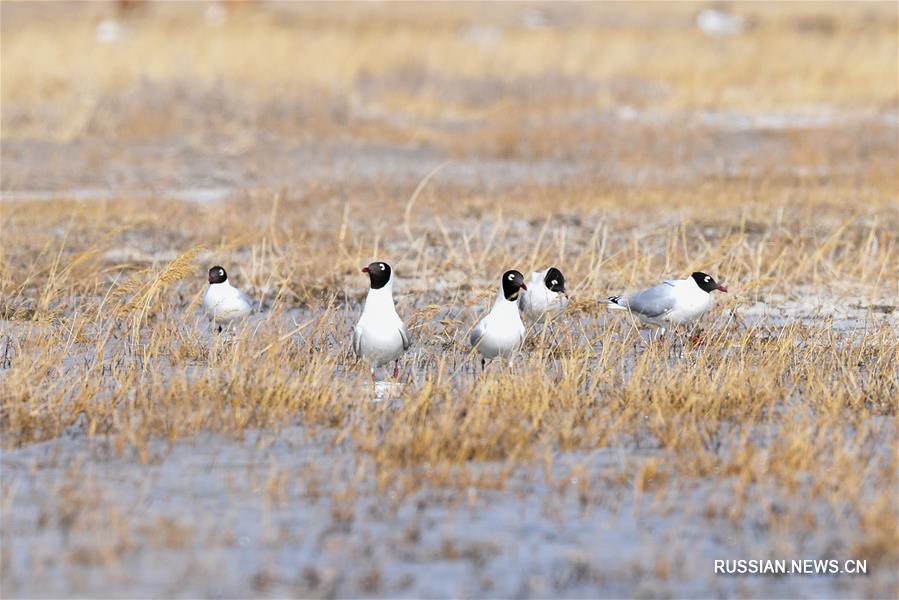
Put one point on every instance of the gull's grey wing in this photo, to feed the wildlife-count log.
(357, 341)
(404, 333)
(653, 302)
(246, 299)
(477, 333)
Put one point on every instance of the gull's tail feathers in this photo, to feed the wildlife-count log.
(616, 302)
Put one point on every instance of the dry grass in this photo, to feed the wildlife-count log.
(781, 421)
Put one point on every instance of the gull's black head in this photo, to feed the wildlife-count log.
(513, 283)
(554, 280)
(217, 275)
(707, 283)
(378, 273)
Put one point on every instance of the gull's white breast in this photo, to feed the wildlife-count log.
(690, 303)
(538, 300)
(379, 341)
(501, 332)
(380, 335)
(224, 302)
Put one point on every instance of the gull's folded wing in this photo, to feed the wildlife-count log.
(477, 333)
(357, 341)
(653, 302)
(404, 333)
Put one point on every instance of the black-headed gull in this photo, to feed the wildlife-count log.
(544, 296)
(224, 302)
(670, 303)
(380, 335)
(501, 332)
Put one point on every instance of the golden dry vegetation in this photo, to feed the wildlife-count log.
(615, 141)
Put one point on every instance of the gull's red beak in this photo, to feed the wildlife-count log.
(524, 287)
(365, 269)
(721, 288)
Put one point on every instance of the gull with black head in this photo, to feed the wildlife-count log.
(671, 303)
(222, 301)
(501, 332)
(380, 336)
(545, 295)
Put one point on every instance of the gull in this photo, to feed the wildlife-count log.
(380, 335)
(501, 332)
(224, 302)
(717, 22)
(670, 303)
(544, 296)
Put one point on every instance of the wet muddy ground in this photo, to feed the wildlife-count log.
(204, 518)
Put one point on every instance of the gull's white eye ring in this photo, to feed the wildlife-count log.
(554, 282)
(382, 266)
(511, 277)
(706, 279)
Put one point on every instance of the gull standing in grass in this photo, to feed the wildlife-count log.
(380, 335)
(501, 332)
(223, 302)
(671, 303)
(545, 295)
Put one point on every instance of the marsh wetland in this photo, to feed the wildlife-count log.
(143, 455)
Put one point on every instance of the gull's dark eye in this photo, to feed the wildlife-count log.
(707, 279)
(554, 282)
(382, 266)
(511, 277)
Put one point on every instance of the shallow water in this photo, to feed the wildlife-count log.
(204, 516)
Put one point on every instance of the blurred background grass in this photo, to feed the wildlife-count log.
(161, 96)
(408, 70)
